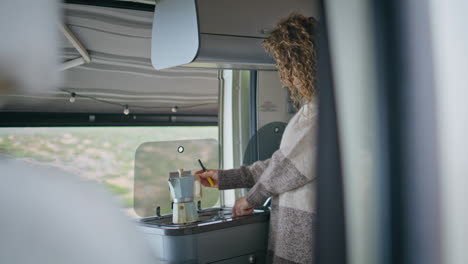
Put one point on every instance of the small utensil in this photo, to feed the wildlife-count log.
(204, 170)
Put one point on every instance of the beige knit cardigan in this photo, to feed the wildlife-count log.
(289, 178)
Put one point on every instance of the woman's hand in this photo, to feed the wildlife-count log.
(213, 174)
(242, 207)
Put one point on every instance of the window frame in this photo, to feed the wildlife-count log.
(44, 119)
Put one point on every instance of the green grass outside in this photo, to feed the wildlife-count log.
(116, 189)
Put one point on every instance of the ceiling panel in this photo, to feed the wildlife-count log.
(118, 41)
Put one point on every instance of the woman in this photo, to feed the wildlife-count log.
(288, 176)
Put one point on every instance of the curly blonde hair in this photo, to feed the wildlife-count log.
(292, 45)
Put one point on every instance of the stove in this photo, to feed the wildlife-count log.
(216, 238)
(204, 233)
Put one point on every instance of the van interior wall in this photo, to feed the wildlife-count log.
(272, 106)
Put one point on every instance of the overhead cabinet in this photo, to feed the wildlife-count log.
(218, 33)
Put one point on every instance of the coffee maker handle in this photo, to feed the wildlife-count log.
(197, 188)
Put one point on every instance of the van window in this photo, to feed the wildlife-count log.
(104, 155)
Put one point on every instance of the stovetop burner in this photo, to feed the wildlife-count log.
(209, 219)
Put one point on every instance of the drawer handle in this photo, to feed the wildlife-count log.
(252, 259)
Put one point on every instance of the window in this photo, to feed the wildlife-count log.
(105, 155)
